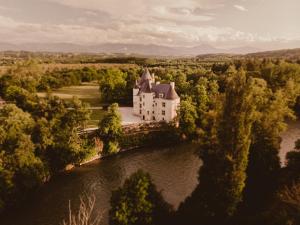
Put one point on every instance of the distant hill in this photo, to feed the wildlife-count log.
(291, 54)
(140, 49)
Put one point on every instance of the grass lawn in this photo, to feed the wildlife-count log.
(87, 92)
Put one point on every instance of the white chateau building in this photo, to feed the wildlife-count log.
(153, 101)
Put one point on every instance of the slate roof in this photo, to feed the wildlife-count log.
(146, 85)
(166, 89)
(145, 76)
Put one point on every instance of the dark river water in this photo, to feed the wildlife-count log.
(173, 169)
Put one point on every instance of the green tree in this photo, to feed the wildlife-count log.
(223, 174)
(110, 129)
(20, 169)
(112, 85)
(138, 203)
(187, 118)
(264, 164)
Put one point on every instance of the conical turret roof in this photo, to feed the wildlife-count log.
(172, 94)
(146, 75)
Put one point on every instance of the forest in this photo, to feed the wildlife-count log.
(234, 109)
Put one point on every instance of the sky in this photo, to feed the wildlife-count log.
(220, 23)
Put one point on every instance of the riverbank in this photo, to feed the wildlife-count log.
(174, 170)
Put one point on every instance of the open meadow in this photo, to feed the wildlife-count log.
(88, 93)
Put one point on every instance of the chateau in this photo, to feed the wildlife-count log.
(153, 101)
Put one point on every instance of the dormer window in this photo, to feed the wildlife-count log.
(161, 95)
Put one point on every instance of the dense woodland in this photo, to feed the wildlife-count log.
(234, 109)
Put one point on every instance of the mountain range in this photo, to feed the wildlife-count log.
(150, 49)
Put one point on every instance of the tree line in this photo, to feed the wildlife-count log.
(236, 113)
(38, 136)
(234, 110)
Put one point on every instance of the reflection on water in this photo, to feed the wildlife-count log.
(174, 171)
(289, 137)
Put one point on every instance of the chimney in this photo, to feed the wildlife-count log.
(172, 84)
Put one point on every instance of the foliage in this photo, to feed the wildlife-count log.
(39, 137)
(187, 117)
(110, 129)
(138, 203)
(20, 168)
(225, 159)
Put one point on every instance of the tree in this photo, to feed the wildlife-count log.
(285, 210)
(20, 169)
(223, 174)
(264, 164)
(138, 203)
(112, 85)
(110, 129)
(187, 118)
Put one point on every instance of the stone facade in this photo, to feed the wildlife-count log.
(153, 101)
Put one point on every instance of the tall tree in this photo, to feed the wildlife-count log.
(264, 163)
(223, 174)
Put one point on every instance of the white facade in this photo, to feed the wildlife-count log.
(154, 101)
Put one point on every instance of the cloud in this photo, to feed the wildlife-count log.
(149, 32)
(240, 7)
(168, 22)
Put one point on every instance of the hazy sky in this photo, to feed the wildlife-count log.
(221, 23)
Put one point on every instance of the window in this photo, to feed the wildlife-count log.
(161, 95)
(143, 103)
(143, 96)
(140, 105)
(163, 118)
(163, 104)
(140, 99)
(140, 111)
(153, 117)
(152, 112)
(148, 112)
(163, 112)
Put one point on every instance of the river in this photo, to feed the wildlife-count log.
(173, 169)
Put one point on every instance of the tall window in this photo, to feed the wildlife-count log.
(140, 105)
(163, 112)
(140, 111)
(140, 99)
(163, 104)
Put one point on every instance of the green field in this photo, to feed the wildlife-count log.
(87, 92)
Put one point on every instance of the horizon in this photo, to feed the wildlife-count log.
(223, 24)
